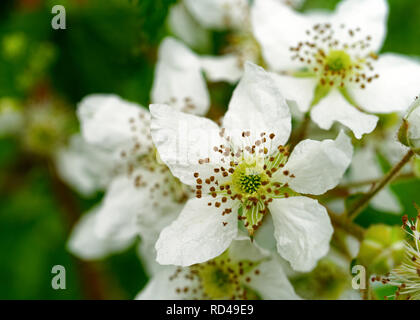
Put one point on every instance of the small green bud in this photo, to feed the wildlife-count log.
(47, 127)
(13, 45)
(382, 248)
(409, 133)
(11, 118)
(403, 133)
(327, 281)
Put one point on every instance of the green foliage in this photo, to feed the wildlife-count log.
(111, 47)
(32, 241)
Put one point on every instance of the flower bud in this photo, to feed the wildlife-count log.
(409, 132)
(382, 248)
(11, 118)
(328, 281)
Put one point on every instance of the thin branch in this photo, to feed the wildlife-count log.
(343, 223)
(364, 201)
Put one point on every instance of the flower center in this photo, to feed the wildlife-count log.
(335, 62)
(217, 282)
(251, 176)
(219, 278)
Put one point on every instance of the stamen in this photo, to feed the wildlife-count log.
(333, 62)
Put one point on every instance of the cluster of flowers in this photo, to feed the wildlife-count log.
(229, 210)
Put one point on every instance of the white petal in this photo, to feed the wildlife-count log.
(396, 87)
(370, 16)
(318, 166)
(185, 27)
(386, 201)
(393, 150)
(84, 167)
(147, 254)
(160, 287)
(264, 236)
(299, 90)
(85, 243)
(178, 79)
(243, 249)
(128, 209)
(277, 28)
(105, 121)
(413, 120)
(219, 14)
(303, 231)
(199, 234)
(117, 216)
(258, 106)
(335, 108)
(350, 294)
(364, 165)
(222, 68)
(271, 283)
(182, 140)
(337, 205)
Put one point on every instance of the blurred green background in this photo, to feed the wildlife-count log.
(108, 47)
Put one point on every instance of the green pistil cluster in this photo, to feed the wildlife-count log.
(338, 61)
(250, 183)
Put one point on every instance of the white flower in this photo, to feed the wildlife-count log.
(244, 171)
(142, 196)
(329, 62)
(190, 20)
(242, 272)
(225, 14)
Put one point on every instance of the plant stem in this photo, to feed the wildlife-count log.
(343, 223)
(366, 293)
(344, 190)
(358, 207)
(357, 184)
